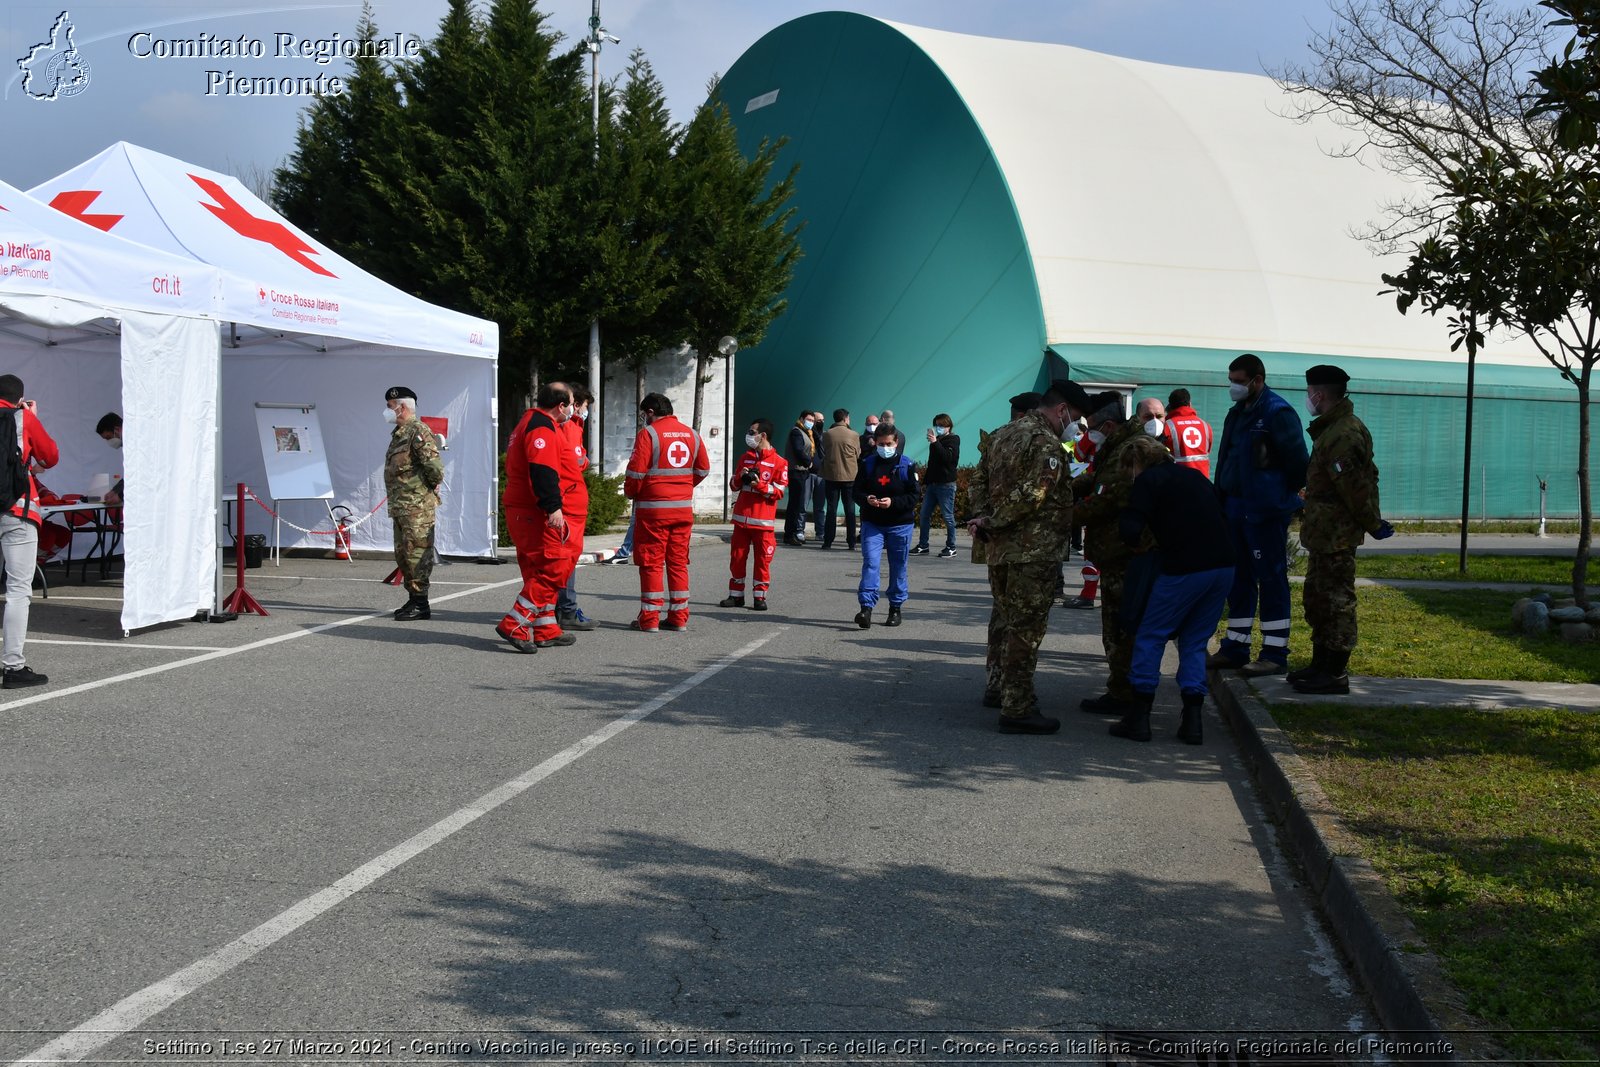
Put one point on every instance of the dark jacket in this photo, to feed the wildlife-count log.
(894, 478)
(1179, 505)
(944, 455)
(1262, 461)
(801, 452)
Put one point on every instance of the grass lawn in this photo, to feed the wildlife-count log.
(1486, 827)
(1554, 572)
(1447, 633)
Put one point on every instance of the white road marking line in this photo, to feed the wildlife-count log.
(128, 1013)
(127, 644)
(294, 635)
(324, 578)
(56, 596)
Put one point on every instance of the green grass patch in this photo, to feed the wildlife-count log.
(1552, 571)
(1447, 633)
(1486, 827)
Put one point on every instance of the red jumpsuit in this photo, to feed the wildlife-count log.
(1191, 439)
(533, 493)
(574, 490)
(668, 461)
(755, 512)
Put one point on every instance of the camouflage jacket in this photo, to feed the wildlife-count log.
(978, 495)
(1341, 482)
(1022, 482)
(1105, 492)
(412, 470)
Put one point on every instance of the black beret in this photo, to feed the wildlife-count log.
(1025, 402)
(1074, 393)
(1103, 400)
(1326, 374)
(399, 392)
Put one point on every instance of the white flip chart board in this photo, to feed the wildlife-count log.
(291, 448)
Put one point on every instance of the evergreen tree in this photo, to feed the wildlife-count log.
(734, 238)
(324, 187)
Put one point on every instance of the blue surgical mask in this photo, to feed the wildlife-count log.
(886, 451)
(940, 431)
(809, 424)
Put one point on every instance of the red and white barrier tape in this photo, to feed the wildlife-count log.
(315, 533)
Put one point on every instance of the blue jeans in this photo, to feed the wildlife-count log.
(567, 598)
(896, 540)
(1182, 608)
(944, 494)
(626, 549)
(1261, 568)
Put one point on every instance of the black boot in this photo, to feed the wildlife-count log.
(894, 616)
(1190, 731)
(1106, 704)
(1318, 655)
(1330, 678)
(1135, 725)
(415, 608)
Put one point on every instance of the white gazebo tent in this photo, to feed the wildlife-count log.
(303, 325)
(72, 299)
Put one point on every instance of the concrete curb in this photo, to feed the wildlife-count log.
(1404, 978)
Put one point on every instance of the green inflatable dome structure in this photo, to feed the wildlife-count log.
(981, 214)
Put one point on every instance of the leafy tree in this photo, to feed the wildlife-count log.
(1504, 231)
(735, 238)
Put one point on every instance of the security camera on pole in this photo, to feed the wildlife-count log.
(593, 42)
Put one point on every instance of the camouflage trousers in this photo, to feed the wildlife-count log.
(1117, 644)
(1329, 597)
(413, 551)
(1023, 595)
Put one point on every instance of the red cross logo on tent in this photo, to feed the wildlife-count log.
(677, 454)
(1191, 438)
(268, 231)
(75, 202)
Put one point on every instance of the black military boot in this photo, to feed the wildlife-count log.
(731, 601)
(1330, 678)
(1190, 731)
(1106, 704)
(894, 616)
(1135, 725)
(415, 608)
(1318, 655)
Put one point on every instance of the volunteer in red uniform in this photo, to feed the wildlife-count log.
(760, 480)
(668, 461)
(536, 521)
(575, 505)
(19, 525)
(1191, 435)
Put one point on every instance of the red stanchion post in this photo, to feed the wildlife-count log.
(240, 600)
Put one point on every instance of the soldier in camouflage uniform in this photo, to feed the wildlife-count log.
(977, 504)
(412, 472)
(1102, 494)
(1341, 508)
(1026, 499)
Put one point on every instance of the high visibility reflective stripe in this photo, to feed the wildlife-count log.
(524, 602)
(736, 585)
(668, 472)
(636, 476)
(655, 446)
(1269, 641)
(1245, 624)
(1198, 457)
(746, 520)
(1275, 624)
(704, 472)
(1241, 636)
(682, 504)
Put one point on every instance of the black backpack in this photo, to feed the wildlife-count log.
(14, 482)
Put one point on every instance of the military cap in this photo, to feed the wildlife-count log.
(399, 392)
(1025, 401)
(1073, 393)
(1326, 374)
(1102, 400)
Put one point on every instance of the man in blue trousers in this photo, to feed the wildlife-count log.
(886, 493)
(1261, 468)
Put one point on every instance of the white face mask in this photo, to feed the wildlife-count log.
(1096, 438)
(389, 416)
(1311, 406)
(886, 451)
(1072, 431)
(581, 415)
(1237, 392)
(872, 428)
(1154, 427)
(115, 442)
(752, 440)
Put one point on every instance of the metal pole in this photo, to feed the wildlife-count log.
(596, 407)
(1542, 486)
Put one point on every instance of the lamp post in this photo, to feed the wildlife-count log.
(593, 42)
(725, 350)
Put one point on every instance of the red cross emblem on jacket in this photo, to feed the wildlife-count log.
(883, 479)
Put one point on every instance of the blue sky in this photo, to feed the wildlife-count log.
(163, 103)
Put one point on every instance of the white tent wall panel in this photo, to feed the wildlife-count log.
(347, 389)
